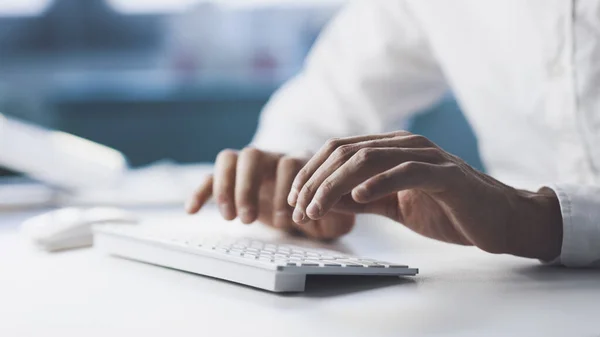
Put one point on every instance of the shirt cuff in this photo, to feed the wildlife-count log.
(580, 207)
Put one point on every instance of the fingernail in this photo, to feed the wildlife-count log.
(361, 193)
(189, 205)
(292, 197)
(225, 210)
(313, 210)
(298, 215)
(246, 215)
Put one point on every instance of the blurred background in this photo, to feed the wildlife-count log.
(168, 79)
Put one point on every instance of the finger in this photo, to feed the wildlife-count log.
(366, 163)
(201, 196)
(224, 183)
(287, 168)
(409, 175)
(386, 206)
(310, 229)
(322, 155)
(337, 226)
(249, 176)
(342, 154)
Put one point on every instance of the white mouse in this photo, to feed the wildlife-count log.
(71, 227)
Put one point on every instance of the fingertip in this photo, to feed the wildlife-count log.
(292, 198)
(314, 211)
(299, 216)
(227, 211)
(191, 206)
(361, 195)
(247, 215)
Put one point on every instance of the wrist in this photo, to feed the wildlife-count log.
(537, 229)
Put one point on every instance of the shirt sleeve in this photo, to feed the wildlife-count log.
(370, 68)
(580, 207)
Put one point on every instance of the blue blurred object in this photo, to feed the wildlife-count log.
(194, 126)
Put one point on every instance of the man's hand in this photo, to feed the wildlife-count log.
(254, 185)
(411, 180)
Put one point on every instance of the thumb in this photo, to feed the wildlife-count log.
(386, 206)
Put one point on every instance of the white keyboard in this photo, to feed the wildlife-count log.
(270, 266)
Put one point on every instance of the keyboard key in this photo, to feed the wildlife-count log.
(331, 263)
(348, 263)
(397, 266)
(315, 263)
(256, 245)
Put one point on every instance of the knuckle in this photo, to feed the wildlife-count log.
(301, 176)
(419, 140)
(333, 144)
(434, 154)
(222, 198)
(411, 166)
(402, 133)
(289, 163)
(343, 151)
(454, 169)
(379, 180)
(364, 156)
(282, 208)
(227, 153)
(251, 152)
(245, 203)
(326, 187)
(308, 189)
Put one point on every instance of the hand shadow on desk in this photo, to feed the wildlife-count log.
(321, 286)
(299, 239)
(557, 277)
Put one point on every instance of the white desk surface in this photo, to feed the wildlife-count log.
(460, 292)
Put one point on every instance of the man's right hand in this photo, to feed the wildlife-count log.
(254, 185)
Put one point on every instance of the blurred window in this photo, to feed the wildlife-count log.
(23, 7)
(150, 6)
(161, 6)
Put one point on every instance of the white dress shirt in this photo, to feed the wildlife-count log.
(526, 73)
